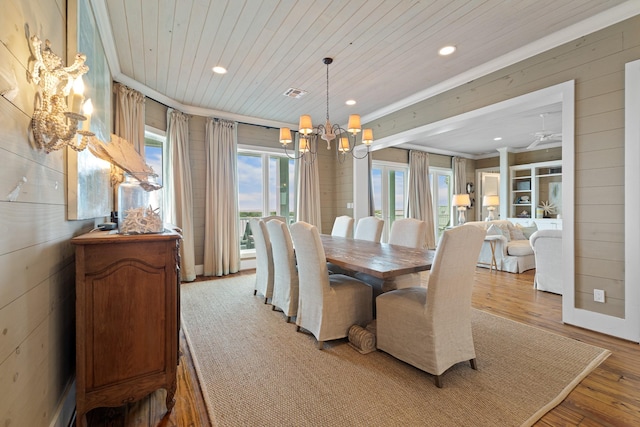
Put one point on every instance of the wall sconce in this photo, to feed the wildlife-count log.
(56, 116)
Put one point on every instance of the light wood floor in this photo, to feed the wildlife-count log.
(609, 396)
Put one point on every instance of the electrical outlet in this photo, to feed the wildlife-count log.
(598, 295)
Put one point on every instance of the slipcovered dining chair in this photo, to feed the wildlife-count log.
(264, 259)
(285, 284)
(328, 305)
(430, 328)
(266, 219)
(343, 226)
(407, 232)
(369, 228)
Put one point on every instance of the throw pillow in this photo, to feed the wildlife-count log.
(517, 234)
(528, 229)
(505, 230)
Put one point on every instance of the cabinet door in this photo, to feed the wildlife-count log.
(128, 323)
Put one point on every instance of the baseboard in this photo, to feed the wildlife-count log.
(65, 413)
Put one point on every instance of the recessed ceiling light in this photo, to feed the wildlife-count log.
(219, 70)
(447, 50)
(351, 102)
(497, 138)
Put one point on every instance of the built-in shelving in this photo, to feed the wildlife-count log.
(532, 184)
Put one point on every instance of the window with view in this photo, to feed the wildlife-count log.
(265, 187)
(390, 186)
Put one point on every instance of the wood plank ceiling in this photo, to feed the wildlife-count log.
(384, 51)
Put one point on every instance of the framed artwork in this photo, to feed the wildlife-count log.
(555, 196)
(88, 186)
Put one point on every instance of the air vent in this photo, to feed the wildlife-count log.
(295, 93)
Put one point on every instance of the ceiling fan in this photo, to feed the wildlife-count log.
(544, 136)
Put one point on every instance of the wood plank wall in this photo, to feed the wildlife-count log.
(596, 63)
(37, 284)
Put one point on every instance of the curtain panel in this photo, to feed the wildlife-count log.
(309, 193)
(129, 123)
(178, 193)
(130, 116)
(222, 235)
(459, 175)
(420, 204)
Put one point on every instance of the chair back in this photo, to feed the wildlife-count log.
(285, 288)
(369, 228)
(343, 226)
(312, 266)
(264, 257)
(451, 279)
(408, 232)
(266, 219)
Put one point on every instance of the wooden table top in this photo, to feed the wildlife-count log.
(377, 259)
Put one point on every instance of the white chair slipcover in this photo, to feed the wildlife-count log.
(264, 259)
(547, 247)
(369, 228)
(328, 305)
(285, 284)
(343, 226)
(431, 328)
(407, 232)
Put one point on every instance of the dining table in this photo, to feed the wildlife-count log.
(380, 260)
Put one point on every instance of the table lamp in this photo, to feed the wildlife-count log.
(490, 201)
(462, 201)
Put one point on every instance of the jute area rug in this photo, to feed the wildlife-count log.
(256, 370)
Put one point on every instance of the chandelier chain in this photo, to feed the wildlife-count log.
(327, 92)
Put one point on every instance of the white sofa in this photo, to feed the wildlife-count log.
(547, 246)
(513, 253)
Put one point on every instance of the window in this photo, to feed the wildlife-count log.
(154, 151)
(441, 191)
(265, 187)
(390, 188)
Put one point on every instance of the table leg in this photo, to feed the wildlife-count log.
(492, 244)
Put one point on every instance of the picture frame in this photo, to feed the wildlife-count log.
(88, 178)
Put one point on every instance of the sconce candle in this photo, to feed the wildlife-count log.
(77, 96)
(87, 110)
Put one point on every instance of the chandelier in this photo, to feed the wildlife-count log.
(308, 134)
(55, 118)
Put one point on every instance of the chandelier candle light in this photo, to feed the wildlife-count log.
(61, 101)
(346, 139)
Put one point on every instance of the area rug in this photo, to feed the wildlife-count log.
(256, 370)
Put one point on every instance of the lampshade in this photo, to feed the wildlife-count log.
(354, 124)
(305, 127)
(344, 145)
(461, 200)
(285, 136)
(367, 136)
(491, 200)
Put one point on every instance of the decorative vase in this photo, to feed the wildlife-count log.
(139, 210)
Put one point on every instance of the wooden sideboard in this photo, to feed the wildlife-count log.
(127, 318)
